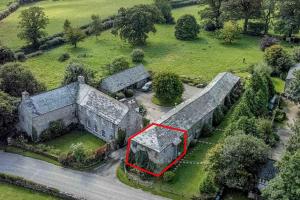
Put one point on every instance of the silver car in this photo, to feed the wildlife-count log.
(147, 87)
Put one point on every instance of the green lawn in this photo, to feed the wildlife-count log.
(3, 4)
(77, 11)
(204, 57)
(11, 192)
(63, 143)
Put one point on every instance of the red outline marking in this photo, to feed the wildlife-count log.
(185, 138)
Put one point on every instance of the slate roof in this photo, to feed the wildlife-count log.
(186, 114)
(101, 104)
(81, 94)
(291, 72)
(52, 100)
(124, 79)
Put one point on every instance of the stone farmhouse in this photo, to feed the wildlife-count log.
(163, 145)
(78, 102)
(133, 78)
(291, 76)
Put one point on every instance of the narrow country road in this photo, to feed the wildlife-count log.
(87, 185)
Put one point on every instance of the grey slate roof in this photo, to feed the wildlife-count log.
(101, 104)
(52, 100)
(291, 72)
(124, 79)
(186, 114)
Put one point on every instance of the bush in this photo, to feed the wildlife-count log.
(6, 55)
(280, 115)
(55, 129)
(129, 93)
(296, 54)
(256, 28)
(209, 26)
(230, 32)
(208, 187)
(51, 43)
(168, 176)
(137, 55)
(118, 64)
(146, 122)
(63, 57)
(20, 56)
(268, 41)
(187, 28)
(120, 95)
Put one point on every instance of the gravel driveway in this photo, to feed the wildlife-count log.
(154, 112)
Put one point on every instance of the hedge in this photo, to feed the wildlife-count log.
(21, 182)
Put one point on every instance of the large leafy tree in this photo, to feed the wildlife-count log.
(287, 183)
(236, 161)
(230, 32)
(187, 28)
(167, 87)
(293, 89)
(8, 114)
(74, 35)
(288, 21)
(267, 14)
(6, 55)
(242, 9)
(96, 25)
(134, 24)
(213, 12)
(15, 79)
(74, 69)
(118, 64)
(33, 22)
(165, 8)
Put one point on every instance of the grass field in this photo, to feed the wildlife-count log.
(11, 192)
(77, 11)
(204, 57)
(3, 4)
(88, 140)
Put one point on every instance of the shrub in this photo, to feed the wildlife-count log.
(268, 41)
(118, 64)
(121, 138)
(120, 95)
(209, 26)
(6, 55)
(146, 122)
(129, 93)
(79, 152)
(229, 32)
(63, 57)
(208, 187)
(55, 129)
(53, 42)
(187, 28)
(137, 55)
(280, 115)
(296, 54)
(168, 176)
(20, 56)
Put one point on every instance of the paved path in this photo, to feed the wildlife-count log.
(87, 185)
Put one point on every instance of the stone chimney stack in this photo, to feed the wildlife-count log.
(81, 80)
(25, 95)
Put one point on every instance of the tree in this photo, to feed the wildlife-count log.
(229, 32)
(67, 25)
(120, 140)
(6, 55)
(187, 28)
(118, 64)
(16, 79)
(79, 152)
(96, 25)
(268, 9)
(167, 87)
(278, 59)
(286, 184)
(74, 35)
(294, 141)
(288, 21)
(213, 12)
(166, 9)
(293, 89)
(8, 114)
(242, 9)
(74, 69)
(296, 54)
(33, 22)
(137, 55)
(134, 24)
(236, 162)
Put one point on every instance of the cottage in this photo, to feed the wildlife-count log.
(291, 76)
(162, 145)
(78, 103)
(134, 77)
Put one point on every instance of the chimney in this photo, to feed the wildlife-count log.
(25, 95)
(81, 80)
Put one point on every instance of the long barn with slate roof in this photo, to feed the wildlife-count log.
(162, 145)
(134, 77)
(78, 103)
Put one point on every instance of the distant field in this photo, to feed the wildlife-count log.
(78, 11)
(204, 57)
(11, 192)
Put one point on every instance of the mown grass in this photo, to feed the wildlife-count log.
(3, 4)
(88, 140)
(77, 11)
(11, 192)
(204, 57)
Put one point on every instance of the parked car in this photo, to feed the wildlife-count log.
(147, 87)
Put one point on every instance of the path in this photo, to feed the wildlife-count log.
(87, 185)
(284, 132)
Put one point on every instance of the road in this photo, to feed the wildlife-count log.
(88, 185)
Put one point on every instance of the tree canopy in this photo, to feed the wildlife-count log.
(96, 25)
(187, 28)
(118, 64)
(6, 55)
(75, 69)
(166, 9)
